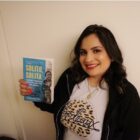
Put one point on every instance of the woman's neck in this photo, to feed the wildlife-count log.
(93, 82)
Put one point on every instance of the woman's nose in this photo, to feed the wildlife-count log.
(89, 57)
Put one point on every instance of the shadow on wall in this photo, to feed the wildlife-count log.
(6, 138)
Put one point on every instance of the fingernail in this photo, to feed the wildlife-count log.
(30, 91)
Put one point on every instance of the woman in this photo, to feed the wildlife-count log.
(93, 98)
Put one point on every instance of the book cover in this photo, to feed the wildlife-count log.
(38, 73)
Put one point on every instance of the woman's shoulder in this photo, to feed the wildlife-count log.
(129, 85)
(130, 89)
(66, 75)
(66, 72)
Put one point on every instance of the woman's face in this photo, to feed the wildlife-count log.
(93, 57)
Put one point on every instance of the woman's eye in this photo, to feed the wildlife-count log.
(82, 52)
(96, 51)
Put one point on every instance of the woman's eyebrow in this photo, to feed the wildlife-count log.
(96, 47)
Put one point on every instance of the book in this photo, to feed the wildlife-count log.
(38, 73)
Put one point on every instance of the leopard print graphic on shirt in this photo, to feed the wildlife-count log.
(78, 116)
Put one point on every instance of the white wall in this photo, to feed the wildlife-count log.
(9, 120)
(50, 29)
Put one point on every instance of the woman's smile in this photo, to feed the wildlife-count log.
(90, 66)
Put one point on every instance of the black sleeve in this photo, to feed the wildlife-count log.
(44, 106)
(132, 119)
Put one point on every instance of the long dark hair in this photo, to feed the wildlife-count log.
(116, 74)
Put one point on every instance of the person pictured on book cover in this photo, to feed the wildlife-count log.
(46, 87)
(93, 99)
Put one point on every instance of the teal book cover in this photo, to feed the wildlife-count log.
(38, 73)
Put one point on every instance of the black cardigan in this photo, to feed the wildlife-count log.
(122, 117)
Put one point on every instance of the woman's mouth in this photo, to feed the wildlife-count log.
(90, 66)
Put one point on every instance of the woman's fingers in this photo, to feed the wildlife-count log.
(24, 88)
(23, 82)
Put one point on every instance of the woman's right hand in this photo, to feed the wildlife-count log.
(25, 89)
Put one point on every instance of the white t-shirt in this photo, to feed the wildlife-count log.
(82, 116)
